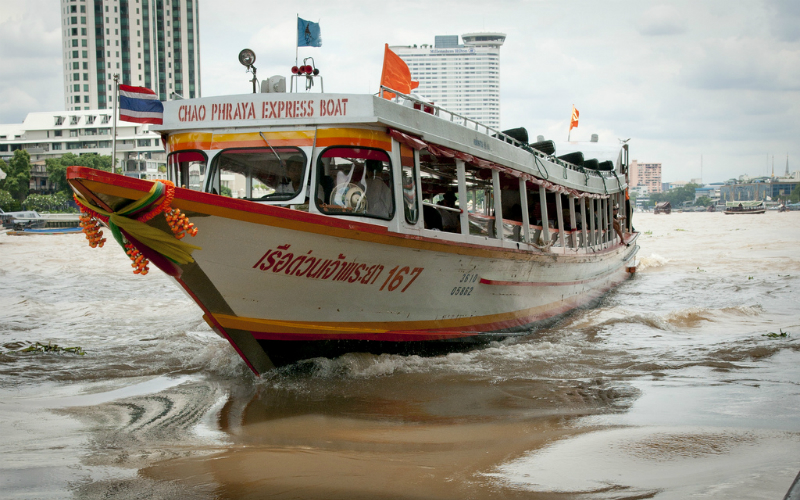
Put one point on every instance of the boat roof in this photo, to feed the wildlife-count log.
(430, 123)
(744, 204)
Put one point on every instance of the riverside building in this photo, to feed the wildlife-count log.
(46, 135)
(463, 78)
(150, 43)
(647, 175)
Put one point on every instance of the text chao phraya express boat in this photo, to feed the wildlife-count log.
(334, 223)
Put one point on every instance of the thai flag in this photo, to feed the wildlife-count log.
(140, 105)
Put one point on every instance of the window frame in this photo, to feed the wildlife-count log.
(320, 170)
(215, 171)
(174, 178)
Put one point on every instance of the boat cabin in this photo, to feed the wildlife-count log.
(405, 164)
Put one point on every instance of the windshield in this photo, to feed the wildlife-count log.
(262, 173)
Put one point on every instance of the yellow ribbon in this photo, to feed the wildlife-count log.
(164, 243)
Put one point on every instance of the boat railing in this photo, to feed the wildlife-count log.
(574, 238)
(435, 110)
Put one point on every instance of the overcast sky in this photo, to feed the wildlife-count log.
(681, 79)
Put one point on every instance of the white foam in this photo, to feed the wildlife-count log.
(653, 261)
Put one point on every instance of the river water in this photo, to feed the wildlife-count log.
(669, 388)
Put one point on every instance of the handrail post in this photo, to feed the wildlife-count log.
(543, 210)
(560, 218)
(498, 205)
(462, 195)
(523, 202)
(572, 222)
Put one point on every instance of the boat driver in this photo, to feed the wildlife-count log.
(290, 183)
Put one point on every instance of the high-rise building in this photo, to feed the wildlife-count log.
(150, 43)
(646, 174)
(462, 78)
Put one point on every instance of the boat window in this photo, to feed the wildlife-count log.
(410, 206)
(264, 174)
(355, 181)
(187, 169)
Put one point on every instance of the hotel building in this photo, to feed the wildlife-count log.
(140, 153)
(150, 43)
(462, 78)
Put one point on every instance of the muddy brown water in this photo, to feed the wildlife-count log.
(669, 388)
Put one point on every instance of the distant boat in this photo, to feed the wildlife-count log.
(789, 207)
(663, 207)
(30, 219)
(47, 231)
(745, 207)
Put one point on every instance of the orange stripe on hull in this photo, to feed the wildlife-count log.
(301, 138)
(403, 331)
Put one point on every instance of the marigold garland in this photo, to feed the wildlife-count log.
(180, 224)
(164, 206)
(177, 221)
(91, 228)
(139, 261)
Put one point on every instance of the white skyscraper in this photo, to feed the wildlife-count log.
(150, 43)
(463, 78)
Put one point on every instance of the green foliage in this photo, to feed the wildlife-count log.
(57, 167)
(675, 196)
(8, 203)
(774, 335)
(795, 196)
(703, 201)
(57, 174)
(18, 175)
(225, 191)
(53, 203)
(42, 348)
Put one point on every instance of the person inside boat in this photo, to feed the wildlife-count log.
(617, 226)
(294, 176)
(451, 220)
(378, 194)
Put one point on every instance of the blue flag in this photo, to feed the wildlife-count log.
(308, 34)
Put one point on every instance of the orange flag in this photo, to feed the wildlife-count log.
(396, 74)
(574, 122)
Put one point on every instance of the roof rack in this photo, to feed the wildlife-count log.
(435, 110)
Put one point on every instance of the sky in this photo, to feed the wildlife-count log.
(684, 80)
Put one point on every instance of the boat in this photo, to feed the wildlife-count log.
(31, 219)
(745, 207)
(663, 207)
(44, 231)
(308, 225)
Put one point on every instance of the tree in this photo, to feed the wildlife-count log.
(57, 174)
(7, 202)
(18, 175)
(675, 196)
(795, 196)
(703, 201)
(53, 203)
(57, 167)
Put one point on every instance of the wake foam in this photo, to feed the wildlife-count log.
(653, 261)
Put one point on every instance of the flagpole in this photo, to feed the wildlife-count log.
(114, 127)
(296, 52)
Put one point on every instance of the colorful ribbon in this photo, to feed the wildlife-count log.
(166, 244)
